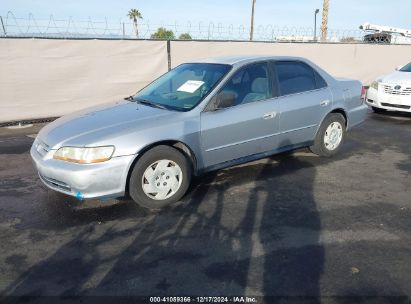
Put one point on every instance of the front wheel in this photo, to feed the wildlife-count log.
(330, 135)
(160, 177)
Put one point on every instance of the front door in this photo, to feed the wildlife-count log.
(247, 127)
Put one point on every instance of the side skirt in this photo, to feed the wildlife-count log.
(254, 157)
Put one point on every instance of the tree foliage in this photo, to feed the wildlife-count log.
(134, 14)
(185, 36)
(163, 33)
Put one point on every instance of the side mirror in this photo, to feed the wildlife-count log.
(225, 100)
(222, 100)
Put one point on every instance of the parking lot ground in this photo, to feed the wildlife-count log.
(293, 224)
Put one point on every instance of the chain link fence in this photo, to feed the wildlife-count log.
(31, 27)
(12, 26)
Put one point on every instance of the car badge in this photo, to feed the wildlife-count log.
(397, 87)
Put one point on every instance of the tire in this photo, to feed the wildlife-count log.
(336, 122)
(378, 110)
(155, 189)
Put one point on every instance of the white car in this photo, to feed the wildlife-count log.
(391, 92)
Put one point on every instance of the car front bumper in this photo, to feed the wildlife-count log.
(99, 181)
(391, 102)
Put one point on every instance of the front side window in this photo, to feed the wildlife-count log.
(296, 77)
(249, 84)
(184, 87)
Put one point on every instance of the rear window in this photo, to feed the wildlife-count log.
(296, 77)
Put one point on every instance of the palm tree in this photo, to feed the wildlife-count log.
(324, 23)
(252, 21)
(134, 14)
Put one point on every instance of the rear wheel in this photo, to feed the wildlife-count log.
(330, 135)
(378, 110)
(160, 177)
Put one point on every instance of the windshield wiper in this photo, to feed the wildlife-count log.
(150, 103)
(130, 98)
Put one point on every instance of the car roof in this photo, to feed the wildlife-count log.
(241, 60)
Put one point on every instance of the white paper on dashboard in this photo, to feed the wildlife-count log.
(190, 86)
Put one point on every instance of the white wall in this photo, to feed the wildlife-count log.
(45, 78)
(42, 78)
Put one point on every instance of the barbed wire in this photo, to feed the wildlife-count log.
(52, 27)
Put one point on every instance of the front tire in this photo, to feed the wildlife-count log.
(330, 135)
(160, 177)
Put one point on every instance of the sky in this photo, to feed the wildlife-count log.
(344, 14)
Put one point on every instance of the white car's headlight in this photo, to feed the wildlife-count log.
(84, 155)
(374, 85)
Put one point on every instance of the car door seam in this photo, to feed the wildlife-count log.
(258, 138)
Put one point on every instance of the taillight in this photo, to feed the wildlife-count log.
(363, 92)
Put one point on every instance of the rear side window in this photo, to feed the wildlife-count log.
(296, 77)
(319, 80)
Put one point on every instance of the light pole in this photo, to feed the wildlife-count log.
(315, 23)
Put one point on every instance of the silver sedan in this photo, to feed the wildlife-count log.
(200, 116)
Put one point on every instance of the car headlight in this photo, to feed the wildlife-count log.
(374, 85)
(84, 155)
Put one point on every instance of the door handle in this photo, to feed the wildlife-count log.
(269, 115)
(324, 103)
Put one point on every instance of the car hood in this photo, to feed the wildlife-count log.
(397, 77)
(90, 126)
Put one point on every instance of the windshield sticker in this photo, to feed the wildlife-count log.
(190, 86)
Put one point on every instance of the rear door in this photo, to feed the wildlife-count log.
(304, 99)
(249, 126)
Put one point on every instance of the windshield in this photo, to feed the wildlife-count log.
(406, 68)
(184, 87)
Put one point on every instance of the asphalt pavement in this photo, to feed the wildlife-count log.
(290, 225)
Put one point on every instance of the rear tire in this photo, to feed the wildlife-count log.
(160, 177)
(378, 110)
(330, 135)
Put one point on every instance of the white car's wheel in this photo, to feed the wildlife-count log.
(330, 135)
(160, 177)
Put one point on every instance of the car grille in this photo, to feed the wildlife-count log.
(395, 105)
(388, 89)
(55, 183)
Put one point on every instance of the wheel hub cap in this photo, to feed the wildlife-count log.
(333, 135)
(162, 179)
